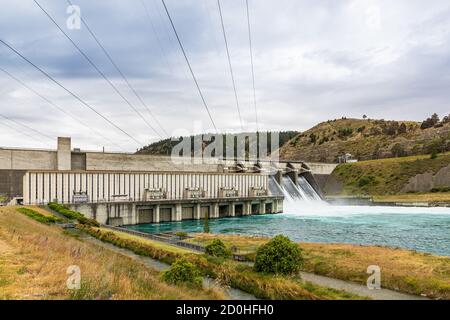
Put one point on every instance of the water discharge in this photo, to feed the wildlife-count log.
(307, 218)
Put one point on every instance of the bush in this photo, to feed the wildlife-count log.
(181, 234)
(217, 249)
(440, 189)
(39, 217)
(73, 215)
(280, 255)
(183, 272)
(366, 180)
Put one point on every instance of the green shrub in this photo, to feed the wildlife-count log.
(280, 255)
(181, 234)
(217, 249)
(440, 189)
(183, 272)
(73, 215)
(366, 180)
(39, 217)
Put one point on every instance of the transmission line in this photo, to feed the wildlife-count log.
(58, 107)
(71, 93)
(97, 69)
(26, 126)
(21, 132)
(120, 72)
(229, 64)
(251, 61)
(189, 65)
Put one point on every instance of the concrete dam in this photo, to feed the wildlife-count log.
(123, 189)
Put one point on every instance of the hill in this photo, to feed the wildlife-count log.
(393, 176)
(368, 139)
(164, 147)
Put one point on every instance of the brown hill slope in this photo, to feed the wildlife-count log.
(366, 139)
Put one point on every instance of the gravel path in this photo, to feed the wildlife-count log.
(232, 293)
(381, 294)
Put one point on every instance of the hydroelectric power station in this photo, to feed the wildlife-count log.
(123, 189)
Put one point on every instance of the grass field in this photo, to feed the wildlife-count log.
(34, 259)
(402, 270)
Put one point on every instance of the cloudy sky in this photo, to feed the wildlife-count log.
(313, 60)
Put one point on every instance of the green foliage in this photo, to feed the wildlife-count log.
(430, 122)
(280, 255)
(398, 151)
(183, 272)
(3, 198)
(39, 217)
(440, 189)
(217, 249)
(366, 180)
(345, 132)
(165, 146)
(181, 234)
(73, 215)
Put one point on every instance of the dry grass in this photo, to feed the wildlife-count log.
(402, 270)
(34, 259)
(415, 197)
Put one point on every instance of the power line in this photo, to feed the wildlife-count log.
(26, 126)
(158, 39)
(251, 61)
(120, 72)
(229, 64)
(71, 93)
(97, 69)
(189, 65)
(21, 132)
(57, 107)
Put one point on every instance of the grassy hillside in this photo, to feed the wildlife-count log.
(34, 258)
(164, 147)
(367, 139)
(384, 176)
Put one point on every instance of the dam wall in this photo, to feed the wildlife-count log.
(41, 187)
(157, 211)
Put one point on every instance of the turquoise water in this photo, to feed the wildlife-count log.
(422, 229)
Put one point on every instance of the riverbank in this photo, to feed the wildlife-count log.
(428, 199)
(402, 270)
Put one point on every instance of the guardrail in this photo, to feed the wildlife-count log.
(173, 241)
